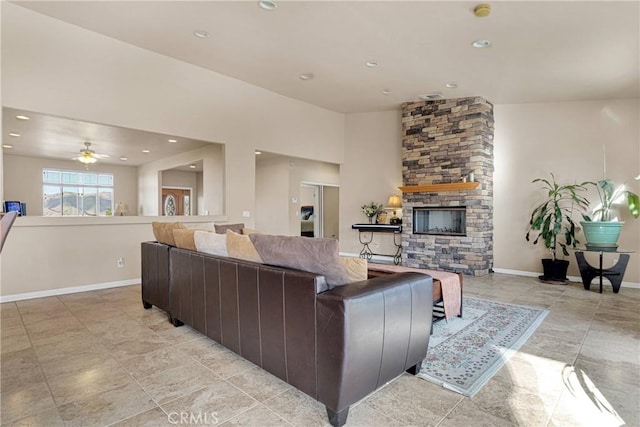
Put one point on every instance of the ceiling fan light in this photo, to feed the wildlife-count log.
(87, 158)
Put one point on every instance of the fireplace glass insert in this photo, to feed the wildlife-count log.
(447, 221)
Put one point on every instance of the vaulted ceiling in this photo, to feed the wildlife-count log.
(540, 51)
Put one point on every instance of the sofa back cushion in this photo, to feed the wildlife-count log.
(241, 247)
(222, 228)
(318, 256)
(204, 226)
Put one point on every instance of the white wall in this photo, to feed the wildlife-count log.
(272, 195)
(566, 138)
(23, 180)
(52, 67)
(200, 194)
(372, 171)
(531, 140)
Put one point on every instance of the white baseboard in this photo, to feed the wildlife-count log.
(70, 290)
(389, 260)
(633, 285)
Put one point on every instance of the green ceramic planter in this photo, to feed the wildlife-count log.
(602, 234)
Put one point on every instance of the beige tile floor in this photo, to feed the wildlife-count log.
(98, 358)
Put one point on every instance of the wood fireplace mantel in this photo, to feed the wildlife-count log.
(436, 188)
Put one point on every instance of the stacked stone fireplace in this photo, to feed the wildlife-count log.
(443, 142)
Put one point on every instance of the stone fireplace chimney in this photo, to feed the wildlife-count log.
(445, 142)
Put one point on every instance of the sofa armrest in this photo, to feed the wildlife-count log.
(370, 332)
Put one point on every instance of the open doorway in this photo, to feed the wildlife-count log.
(319, 210)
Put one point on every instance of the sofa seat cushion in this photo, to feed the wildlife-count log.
(318, 256)
(357, 268)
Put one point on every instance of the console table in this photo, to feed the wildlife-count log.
(614, 274)
(365, 236)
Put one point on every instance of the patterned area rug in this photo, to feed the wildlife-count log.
(465, 353)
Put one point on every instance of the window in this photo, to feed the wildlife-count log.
(71, 193)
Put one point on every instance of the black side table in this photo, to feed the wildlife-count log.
(365, 240)
(613, 274)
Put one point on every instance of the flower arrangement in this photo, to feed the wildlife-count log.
(371, 210)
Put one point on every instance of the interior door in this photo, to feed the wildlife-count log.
(176, 201)
(330, 212)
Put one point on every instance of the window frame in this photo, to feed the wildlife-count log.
(76, 179)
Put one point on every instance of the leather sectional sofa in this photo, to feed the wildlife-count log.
(335, 345)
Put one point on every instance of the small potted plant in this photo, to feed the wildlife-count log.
(371, 210)
(603, 230)
(551, 221)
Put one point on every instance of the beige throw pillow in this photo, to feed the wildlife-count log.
(356, 268)
(163, 231)
(184, 238)
(318, 256)
(210, 243)
(241, 247)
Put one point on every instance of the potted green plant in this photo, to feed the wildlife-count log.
(551, 222)
(603, 231)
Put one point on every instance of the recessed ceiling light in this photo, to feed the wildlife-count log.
(267, 4)
(21, 117)
(258, 152)
(146, 151)
(192, 166)
(14, 134)
(372, 63)
(481, 43)
(431, 96)
(7, 146)
(124, 158)
(306, 76)
(173, 140)
(201, 34)
(386, 91)
(452, 85)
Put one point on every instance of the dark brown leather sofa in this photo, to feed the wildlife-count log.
(335, 345)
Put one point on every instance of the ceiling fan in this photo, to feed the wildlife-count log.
(87, 155)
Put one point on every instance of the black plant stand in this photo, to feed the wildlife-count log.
(614, 274)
